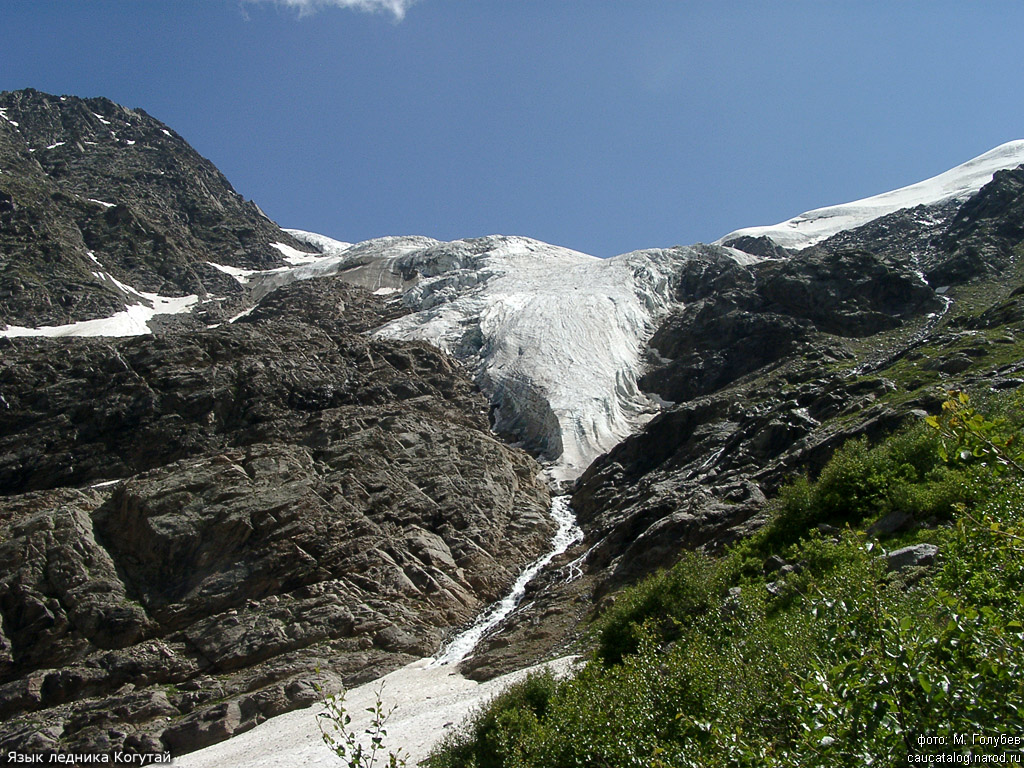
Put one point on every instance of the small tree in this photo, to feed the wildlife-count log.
(334, 724)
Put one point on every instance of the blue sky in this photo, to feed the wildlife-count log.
(601, 125)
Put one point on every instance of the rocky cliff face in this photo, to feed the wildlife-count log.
(193, 523)
(93, 194)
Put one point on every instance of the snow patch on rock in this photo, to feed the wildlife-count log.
(133, 320)
(294, 256)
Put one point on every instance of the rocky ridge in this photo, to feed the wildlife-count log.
(96, 198)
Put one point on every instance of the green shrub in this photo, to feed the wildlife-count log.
(497, 734)
(862, 483)
(839, 664)
(662, 604)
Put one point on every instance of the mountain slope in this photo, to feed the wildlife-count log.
(774, 364)
(954, 185)
(192, 525)
(102, 207)
(299, 469)
(773, 367)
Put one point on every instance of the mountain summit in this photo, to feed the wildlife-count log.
(105, 208)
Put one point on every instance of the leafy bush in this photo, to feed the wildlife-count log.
(334, 722)
(970, 434)
(663, 604)
(495, 735)
(863, 483)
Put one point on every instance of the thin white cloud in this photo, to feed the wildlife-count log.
(396, 8)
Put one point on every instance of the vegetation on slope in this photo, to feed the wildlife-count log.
(805, 645)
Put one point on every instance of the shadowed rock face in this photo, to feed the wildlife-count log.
(289, 496)
(738, 319)
(88, 175)
(984, 233)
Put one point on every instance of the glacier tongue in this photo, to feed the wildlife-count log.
(555, 337)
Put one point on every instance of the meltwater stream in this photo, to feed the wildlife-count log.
(429, 693)
(462, 645)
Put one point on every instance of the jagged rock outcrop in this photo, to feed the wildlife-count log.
(776, 363)
(739, 318)
(93, 194)
(982, 236)
(196, 523)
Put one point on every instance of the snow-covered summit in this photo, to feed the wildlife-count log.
(958, 183)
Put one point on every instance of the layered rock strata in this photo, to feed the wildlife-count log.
(194, 525)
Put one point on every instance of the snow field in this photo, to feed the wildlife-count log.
(958, 183)
(430, 700)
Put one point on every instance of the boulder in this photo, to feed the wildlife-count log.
(913, 556)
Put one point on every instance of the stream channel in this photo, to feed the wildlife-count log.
(426, 698)
(462, 645)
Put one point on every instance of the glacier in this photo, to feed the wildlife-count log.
(556, 338)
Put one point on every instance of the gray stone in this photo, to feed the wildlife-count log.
(912, 556)
(894, 522)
